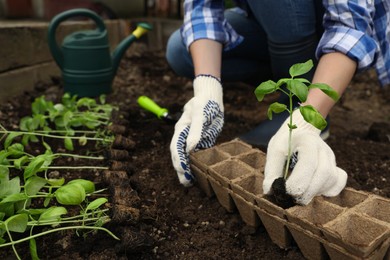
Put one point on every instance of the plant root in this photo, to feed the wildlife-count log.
(118, 155)
(122, 142)
(280, 196)
(121, 166)
(117, 129)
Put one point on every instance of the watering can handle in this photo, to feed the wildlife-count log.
(55, 50)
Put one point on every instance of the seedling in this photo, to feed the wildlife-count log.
(68, 118)
(298, 87)
(24, 207)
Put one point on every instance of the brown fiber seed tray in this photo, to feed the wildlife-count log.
(358, 234)
(202, 181)
(207, 157)
(264, 202)
(337, 252)
(376, 207)
(255, 159)
(223, 195)
(249, 187)
(348, 198)
(226, 171)
(246, 210)
(314, 215)
(235, 147)
(276, 228)
(310, 245)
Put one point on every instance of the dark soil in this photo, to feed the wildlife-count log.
(280, 195)
(157, 218)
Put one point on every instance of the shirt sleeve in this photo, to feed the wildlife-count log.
(204, 19)
(348, 28)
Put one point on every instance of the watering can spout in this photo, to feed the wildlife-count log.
(120, 50)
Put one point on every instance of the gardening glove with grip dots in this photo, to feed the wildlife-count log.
(199, 126)
(315, 172)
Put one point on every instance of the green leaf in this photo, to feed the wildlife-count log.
(23, 123)
(102, 99)
(67, 117)
(34, 166)
(68, 101)
(56, 182)
(33, 185)
(33, 249)
(16, 150)
(20, 162)
(59, 108)
(3, 157)
(327, 90)
(10, 187)
(303, 80)
(4, 174)
(33, 212)
(312, 116)
(299, 89)
(10, 138)
(59, 121)
(14, 198)
(88, 186)
(8, 209)
(282, 82)
(47, 147)
(92, 125)
(83, 140)
(47, 200)
(76, 122)
(292, 126)
(301, 68)
(277, 108)
(40, 120)
(40, 105)
(87, 102)
(96, 203)
(17, 223)
(265, 88)
(53, 213)
(68, 143)
(70, 194)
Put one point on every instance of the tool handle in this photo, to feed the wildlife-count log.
(151, 106)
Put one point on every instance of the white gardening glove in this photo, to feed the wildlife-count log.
(199, 125)
(315, 172)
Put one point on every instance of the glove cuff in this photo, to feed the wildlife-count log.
(301, 123)
(208, 86)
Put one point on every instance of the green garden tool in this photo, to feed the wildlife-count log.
(151, 106)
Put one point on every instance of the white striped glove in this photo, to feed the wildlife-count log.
(315, 172)
(199, 126)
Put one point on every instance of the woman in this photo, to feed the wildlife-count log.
(261, 40)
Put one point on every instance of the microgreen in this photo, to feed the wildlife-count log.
(17, 215)
(66, 118)
(298, 87)
(30, 199)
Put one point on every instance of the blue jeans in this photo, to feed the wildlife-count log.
(277, 34)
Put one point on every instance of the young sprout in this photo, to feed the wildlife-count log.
(298, 87)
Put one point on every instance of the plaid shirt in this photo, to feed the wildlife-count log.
(358, 28)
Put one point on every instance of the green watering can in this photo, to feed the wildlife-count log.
(88, 68)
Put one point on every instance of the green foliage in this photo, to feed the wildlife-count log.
(28, 198)
(298, 87)
(65, 118)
